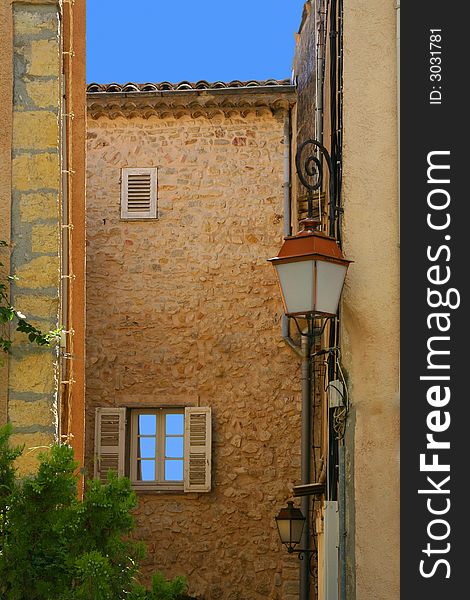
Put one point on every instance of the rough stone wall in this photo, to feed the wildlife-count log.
(185, 310)
(309, 56)
(32, 388)
(304, 65)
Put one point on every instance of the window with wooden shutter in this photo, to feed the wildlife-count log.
(169, 448)
(139, 193)
(157, 449)
(110, 427)
(197, 449)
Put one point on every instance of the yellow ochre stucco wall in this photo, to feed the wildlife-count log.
(6, 90)
(35, 242)
(32, 44)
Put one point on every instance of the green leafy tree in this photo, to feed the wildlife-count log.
(55, 547)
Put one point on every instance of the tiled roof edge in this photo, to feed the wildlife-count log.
(185, 86)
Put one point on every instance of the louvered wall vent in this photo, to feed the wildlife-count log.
(139, 193)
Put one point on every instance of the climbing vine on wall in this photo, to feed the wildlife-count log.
(9, 313)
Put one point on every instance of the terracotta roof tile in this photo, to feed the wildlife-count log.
(182, 86)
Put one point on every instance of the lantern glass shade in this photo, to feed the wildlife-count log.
(296, 283)
(330, 280)
(310, 286)
(290, 524)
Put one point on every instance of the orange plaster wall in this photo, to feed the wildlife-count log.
(75, 74)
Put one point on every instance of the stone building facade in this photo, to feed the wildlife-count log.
(42, 47)
(183, 311)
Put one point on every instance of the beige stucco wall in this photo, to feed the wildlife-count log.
(185, 310)
(371, 297)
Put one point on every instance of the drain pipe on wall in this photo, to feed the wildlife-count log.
(397, 8)
(320, 65)
(287, 182)
(342, 521)
(305, 465)
(287, 217)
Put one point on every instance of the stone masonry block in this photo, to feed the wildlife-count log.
(41, 272)
(33, 373)
(44, 94)
(25, 414)
(34, 444)
(30, 21)
(38, 207)
(43, 307)
(35, 129)
(19, 339)
(44, 58)
(45, 238)
(36, 171)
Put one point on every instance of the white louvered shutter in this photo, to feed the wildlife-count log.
(139, 193)
(110, 429)
(197, 449)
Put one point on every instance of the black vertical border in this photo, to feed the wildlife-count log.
(424, 128)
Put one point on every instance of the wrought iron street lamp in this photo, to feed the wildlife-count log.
(310, 270)
(310, 266)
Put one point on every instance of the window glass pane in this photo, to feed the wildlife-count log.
(147, 447)
(147, 425)
(173, 470)
(146, 470)
(174, 424)
(174, 447)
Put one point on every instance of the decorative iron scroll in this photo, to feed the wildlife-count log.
(310, 172)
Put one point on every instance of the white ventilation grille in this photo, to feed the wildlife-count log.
(139, 193)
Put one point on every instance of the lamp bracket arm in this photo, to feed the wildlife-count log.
(302, 552)
(312, 332)
(324, 351)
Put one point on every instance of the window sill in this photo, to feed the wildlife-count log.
(130, 219)
(157, 488)
(154, 492)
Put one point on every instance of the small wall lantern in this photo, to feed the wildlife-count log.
(290, 523)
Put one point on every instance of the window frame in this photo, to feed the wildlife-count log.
(159, 483)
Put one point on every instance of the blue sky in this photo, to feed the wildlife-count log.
(175, 40)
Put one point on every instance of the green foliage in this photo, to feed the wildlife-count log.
(167, 590)
(55, 547)
(162, 589)
(8, 314)
(7, 477)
